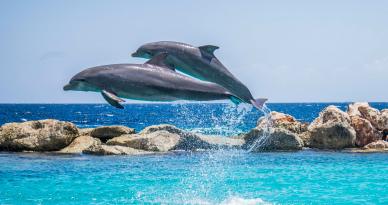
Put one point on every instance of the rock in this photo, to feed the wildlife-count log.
(365, 132)
(223, 142)
(331, 130)
(187, 140)
(80, 144)
(332, 136)
(113, 150)
(331, 114)
(378, 145)
(41, 135)
(306, 138)
(384, 135)
(159, 141)
(281, 120)
(108, 132)
(279, 139)
(384, 120)
(373, 115)
(165, 127)
(85, 131)
(353, 108)
(163, 141)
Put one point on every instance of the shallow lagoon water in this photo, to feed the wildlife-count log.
(305, 177)
(211, 177)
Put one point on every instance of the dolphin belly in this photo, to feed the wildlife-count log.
(164, 94)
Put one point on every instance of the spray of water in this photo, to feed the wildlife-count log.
(260, 142)
(208, 177)
(231, 118)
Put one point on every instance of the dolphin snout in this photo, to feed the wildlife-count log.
(135, 54)
(67, 87)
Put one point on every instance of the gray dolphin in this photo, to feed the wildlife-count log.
(200, 62)
(151, 81)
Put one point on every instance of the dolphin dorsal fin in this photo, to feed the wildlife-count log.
(208, 49)
(160, 60)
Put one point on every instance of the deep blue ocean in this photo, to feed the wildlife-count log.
(211, 177)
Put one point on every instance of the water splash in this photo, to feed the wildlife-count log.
(260, 142)
(227, 120)
(209, 175)
(207, 181)
(232, 116)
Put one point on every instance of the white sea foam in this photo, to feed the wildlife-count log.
(244, 201)
(233, 200)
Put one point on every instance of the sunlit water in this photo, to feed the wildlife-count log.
(211, 177)
(305, 177)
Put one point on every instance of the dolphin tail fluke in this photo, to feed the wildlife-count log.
(259, 102)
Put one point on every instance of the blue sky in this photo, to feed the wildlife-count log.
(287, 51)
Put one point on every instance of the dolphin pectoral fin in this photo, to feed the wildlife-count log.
(209, 49)
(259, 102)
(112, 99)
(235, 100)
(160, 60)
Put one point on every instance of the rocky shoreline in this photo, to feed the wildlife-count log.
(360, 129)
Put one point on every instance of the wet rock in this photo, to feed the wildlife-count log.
(41, 135)
(159, 141)
(378, 145)
(281, 120)
(108, 132)
(273, 139)
(80, 144)
(331, 130)
(163, 138)
(365, 132)
(165, 127)
(223, 142)
(113, 150)
(186, 140)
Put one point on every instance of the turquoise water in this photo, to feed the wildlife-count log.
(219, 177)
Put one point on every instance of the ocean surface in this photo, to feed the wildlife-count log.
(211, 177)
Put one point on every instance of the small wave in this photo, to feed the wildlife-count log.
(229, 201)
(23, 120)
(243, 201)
(110, 115)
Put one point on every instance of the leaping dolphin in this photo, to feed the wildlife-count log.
(200, 62)
(151, 81)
